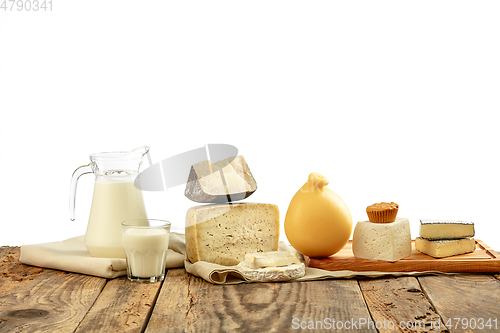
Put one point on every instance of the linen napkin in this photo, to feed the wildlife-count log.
(72, 255)
(218, 274)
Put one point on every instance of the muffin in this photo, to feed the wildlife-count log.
(383, 212)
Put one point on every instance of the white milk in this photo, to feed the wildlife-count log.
(146, 251)
(114, 201)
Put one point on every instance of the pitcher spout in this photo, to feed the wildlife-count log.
(142, 150)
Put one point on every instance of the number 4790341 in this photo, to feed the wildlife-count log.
(472, 323)
(26, 5)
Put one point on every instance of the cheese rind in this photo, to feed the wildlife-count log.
(224, 233)
(445, 248)
(382, 241)
(272, 259)
(445, 229)
(224, 181)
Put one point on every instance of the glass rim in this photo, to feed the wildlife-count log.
(163, 224)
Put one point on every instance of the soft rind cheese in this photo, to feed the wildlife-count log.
(271, 274)
(272, 259)
(224, 233)
(445, 229)
(382, 241)
(446, 247)
(271, 266)
(224, 181)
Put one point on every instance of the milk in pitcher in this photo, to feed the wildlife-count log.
(115, 200)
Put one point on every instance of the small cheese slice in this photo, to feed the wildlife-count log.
(224, 233)
(272, 259)
(446, 247)
(271, 266)
(445, 229)
(271, 274)
(224, 181)
(382, 241)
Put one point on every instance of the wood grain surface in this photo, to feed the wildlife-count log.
(484, 259)
(190, 304)
(34, 299)
(400, 304)
(122, 306)
(173, 304)
(468, 296)
(44, 300)
(14, 275)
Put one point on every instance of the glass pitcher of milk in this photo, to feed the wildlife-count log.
(115, 199)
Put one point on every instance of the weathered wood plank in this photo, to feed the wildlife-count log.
(43, 300)
(122, 306)
(467, 297)
(173, 303)
(5, 248)
(13, 274)
(399, 305)
(190, 304)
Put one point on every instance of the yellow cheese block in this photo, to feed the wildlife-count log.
(224, 233)
(446, 229)
(445, 248)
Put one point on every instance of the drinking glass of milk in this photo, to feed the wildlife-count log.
(146, 243)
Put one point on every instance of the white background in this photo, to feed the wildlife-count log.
(391, 100)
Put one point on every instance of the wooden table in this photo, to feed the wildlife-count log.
(33, 299)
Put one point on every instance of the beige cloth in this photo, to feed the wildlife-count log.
(72, 255)
(218, 274)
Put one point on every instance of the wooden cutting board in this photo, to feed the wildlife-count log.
(484, 259)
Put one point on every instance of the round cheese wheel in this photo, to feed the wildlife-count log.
(318, 223)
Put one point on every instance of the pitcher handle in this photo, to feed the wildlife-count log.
(72, 191)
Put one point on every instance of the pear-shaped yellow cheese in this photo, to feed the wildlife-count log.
(318, 223)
